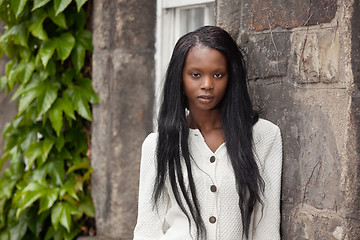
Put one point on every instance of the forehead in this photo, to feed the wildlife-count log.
(202, 56)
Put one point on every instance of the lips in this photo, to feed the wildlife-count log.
(206, 98)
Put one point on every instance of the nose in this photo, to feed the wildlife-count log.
(207, 83)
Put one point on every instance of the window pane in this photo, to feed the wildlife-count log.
(191, 19)
(212, 14)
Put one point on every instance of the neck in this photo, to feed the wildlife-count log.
(205, 120)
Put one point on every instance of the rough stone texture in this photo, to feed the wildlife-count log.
(305, 77)
(353, 217)
(123, 76)
(264, 14)
(269, 51)
(7, 108)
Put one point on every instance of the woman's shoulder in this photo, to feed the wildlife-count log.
(263, 126)
(150, 141)
(265, 131)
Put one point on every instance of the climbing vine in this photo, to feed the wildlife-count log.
(45, 193)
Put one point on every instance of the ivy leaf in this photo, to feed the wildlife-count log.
(81, 104)
(56, 171)
(80, 3)
(60, 5)
(6, 187)
(67, 106)
(21, 73)
(61, 105)
(61, 213)
(18, 34)
(83, 43)
(39, 150)
(81, 95)
(47, 96)
(70, 189)
(33, 152)
(59, 19)
(3, 159)
(78, 57)
(80, 165)
(14, 73)
(48, 200)
(80, 19)
(24, 88)
(8, 67)
(27, 98)
(39, 3)
(18, 231)
(84, 37)
(65, 44)
(46, 51)
(86, 206)
(29, 137)
(18, 6)
(60, 142)
(3, 82)
(28, 195)
(56, 116)
(28, 71)
(36, 27)
(47, 145)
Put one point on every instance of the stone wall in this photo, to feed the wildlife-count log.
(123, 76)
(304, 70)
(303, 66)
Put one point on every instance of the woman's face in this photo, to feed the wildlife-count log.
(205, 77)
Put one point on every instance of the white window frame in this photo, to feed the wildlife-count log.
(167, 33)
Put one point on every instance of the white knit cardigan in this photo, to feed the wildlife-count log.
(217, 195)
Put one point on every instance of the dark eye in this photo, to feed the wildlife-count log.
(218, 75)
(195, 75)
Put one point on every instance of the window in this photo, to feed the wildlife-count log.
(174, 19)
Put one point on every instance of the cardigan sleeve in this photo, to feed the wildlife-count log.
(267, 217)
(150, 218)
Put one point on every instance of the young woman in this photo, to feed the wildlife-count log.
(214, 171)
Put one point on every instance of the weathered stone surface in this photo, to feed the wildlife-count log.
(316, 56)
(355, 43)
(129, 23)
(353, 170)
(314, 154)
(306, 80)
(267, 54)
(312, 223)
(263, 14)
(228, 16)
(123, 76)
(353, 166)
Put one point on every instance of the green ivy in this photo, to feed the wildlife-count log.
(45, 193)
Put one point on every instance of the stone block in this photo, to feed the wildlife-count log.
(304, 222)
(264, 14)
(267, 54)
(355, 43)
(314, 155)
(124, 24)
(315, 56)
(121, 122)
(228, 14)
(123, 76)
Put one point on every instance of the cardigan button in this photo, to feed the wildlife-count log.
(212, 159)
(213, 188)
(212, 219)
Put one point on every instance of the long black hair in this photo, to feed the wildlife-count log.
(237, 119)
